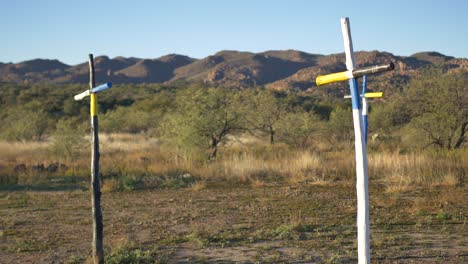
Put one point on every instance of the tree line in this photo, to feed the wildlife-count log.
(431, 111)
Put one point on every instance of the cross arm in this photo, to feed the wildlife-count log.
(356, 73)
(96, 89)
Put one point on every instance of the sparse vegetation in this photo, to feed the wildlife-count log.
(133, 162)
(279, 223)
(198, 174)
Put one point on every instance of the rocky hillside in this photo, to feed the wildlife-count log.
(281, 70)
(119, 70)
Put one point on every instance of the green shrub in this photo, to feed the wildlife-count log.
(23, 124)
(130, 254)
(68, 140)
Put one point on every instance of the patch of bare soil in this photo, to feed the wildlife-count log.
(292, 224)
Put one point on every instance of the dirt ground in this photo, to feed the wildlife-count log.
(222, 224)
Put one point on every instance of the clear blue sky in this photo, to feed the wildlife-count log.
(69, 30)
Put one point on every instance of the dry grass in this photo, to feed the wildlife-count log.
(22, 152)
(294, 167)
(110, 185)
(254, 164)
(198, 186)
(127, 142)
(257, 183)
(240, 201)
(402, 172)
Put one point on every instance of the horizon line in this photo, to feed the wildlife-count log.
(199, 58)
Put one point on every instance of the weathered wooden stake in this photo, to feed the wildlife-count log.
(98, 252)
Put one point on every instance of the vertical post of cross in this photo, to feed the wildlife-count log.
(98, 252)
(361, 153)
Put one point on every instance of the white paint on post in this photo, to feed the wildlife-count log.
(361, 155)
(348, 44)
(365, 107)
(361, 191)
(349, 74)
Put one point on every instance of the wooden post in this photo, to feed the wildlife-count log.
(360, 132)
(361, 152)
(98, 252)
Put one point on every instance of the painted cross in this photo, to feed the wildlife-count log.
(94, 90)
(365, 105)
(98, 227)
(360, 124)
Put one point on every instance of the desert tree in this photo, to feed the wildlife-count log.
(204, 118)
(142, 116)
(297, 128)
(24, 123)
(340, 126)
(439, 109)
(67, 139)
(265, 112)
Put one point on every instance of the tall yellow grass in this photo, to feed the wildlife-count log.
(298, 166)
(21, 152)
(403, 171)
(256, 164)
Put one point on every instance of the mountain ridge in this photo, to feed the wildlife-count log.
(274, 69)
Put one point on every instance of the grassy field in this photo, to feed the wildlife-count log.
(264, 204)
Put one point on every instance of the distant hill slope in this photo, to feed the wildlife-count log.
(277, 69)
(234, 68)
(119, 69)
(432, 57)
(37, 69)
